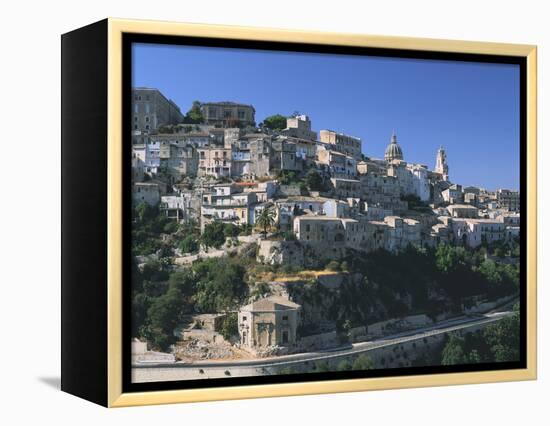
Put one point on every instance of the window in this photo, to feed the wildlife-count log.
(285, 317)
(136, 108)
(241, 115)
(285, 337)
(244, 318)
(308, 227)
(147, 119)
(147, 127)
(147, 108)
(227, 113)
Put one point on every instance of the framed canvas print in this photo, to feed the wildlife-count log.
(254, 212)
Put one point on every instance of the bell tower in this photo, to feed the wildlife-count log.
(441, 165)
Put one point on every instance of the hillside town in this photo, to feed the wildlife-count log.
(293, 210)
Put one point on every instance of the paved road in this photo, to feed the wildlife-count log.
(352, 349)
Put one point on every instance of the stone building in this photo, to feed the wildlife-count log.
(299, 127)
(138, 168)
(453, 194)
(508, 199)
(183, 207)
(411, 178)
(463, 211)
(226, 203)
(198, 139)
(272, 321)
(214, 161)
(441, 166)
(151, 109)
(148, 155)
(283, 156)
(146, 192)
(402, 232)
(473, 232)
(240, 160)
(346, 144)
(270, 155)
(346, 188)
(338, 164)
(228, 114)
(177, 160)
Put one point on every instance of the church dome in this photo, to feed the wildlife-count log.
(393, 151)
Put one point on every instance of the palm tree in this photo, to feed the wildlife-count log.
(266, 219)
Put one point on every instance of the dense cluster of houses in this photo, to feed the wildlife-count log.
(226, 168)
(208, 171)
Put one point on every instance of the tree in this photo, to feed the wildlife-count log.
(144, 212)
(344, 365)
(449, 258)
(314, 181)
(229, 327)
(322, 367)
(261, 290)
(220, 285)
(170, 227)
(363, 362)
(266, 219)
(164, 315)
(499, 252)
(503, 338)
(213, 235)
(288, 177)
(230, 230)
(140, 304)
(189, 244)
(154, 270)
(194, 115)
(453, 352)
(275, 122)
(183, 281)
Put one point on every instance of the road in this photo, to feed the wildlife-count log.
(454, 324)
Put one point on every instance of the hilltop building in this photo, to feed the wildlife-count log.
(346, 144)
(228, 114)
(441, 165)
(151, 109)
(299, 127)
(393, 151)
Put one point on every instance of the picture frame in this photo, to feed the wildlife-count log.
(96, 222)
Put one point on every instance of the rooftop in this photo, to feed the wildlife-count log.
(271, 304)
(228, 103)
(303, 198)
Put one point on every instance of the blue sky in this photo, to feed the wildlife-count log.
(471, 109)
